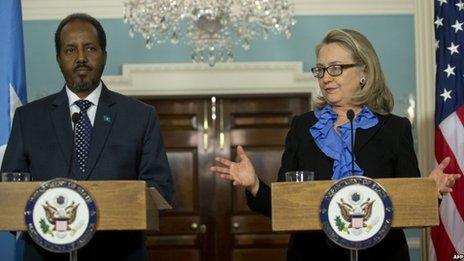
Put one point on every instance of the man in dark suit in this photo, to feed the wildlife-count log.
(117, 137)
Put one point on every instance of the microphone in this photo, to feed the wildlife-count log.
(74, 119)
(350, 116)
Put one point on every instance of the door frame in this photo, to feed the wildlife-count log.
(181, 79)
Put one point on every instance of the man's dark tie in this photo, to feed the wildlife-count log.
(82, 139)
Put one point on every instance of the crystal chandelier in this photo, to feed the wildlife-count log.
(212, 27)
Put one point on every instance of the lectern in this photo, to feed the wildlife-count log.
(121, 205)
(296, 205)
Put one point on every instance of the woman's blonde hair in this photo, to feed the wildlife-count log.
(375, 93)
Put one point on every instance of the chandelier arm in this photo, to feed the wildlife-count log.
(210, 27)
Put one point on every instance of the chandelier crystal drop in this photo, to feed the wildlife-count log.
(211, 27)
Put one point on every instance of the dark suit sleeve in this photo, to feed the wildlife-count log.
(15, 159)
(407, 165)
(262, 202)
(154, 165)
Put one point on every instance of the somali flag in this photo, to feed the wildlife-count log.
(12, 90)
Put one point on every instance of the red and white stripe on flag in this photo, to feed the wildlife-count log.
(447, 239)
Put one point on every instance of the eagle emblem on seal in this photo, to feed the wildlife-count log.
(356, 216)
(61, 218)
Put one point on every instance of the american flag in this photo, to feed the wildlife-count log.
(448, 237)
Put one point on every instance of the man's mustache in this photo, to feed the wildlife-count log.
(80, 66)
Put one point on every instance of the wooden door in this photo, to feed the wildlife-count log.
(260, 125)
(210, 220)
(186, 232)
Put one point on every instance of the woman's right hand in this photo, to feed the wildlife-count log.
(445, 182)
(241, 173)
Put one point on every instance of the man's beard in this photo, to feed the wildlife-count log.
(82, 86)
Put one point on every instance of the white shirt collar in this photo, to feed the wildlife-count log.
(93, 97)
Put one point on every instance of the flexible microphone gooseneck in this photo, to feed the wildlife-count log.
(74, 119)
(350, 116)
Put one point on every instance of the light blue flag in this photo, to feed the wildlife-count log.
(12, 91)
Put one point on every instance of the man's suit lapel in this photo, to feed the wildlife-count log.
(363, 136)
(102, 125)
(62, 125)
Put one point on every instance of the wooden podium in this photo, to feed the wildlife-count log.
(121, 205)
(296, 206)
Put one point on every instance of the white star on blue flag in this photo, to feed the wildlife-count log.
(12, 90)
(450, 63)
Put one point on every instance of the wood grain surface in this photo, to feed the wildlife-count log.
(296, 206)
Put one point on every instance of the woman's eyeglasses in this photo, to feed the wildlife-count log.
(332, 70)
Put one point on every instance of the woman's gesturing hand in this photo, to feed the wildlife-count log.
(241, 173)
(444, 181)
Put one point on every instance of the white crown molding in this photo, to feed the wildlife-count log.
(58, 9)
(224, 78)
(353, 7)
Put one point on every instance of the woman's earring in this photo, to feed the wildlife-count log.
(362, 81)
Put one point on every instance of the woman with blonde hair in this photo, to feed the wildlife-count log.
(350, 78)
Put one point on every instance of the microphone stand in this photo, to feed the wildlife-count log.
(350, 115)
(75, 119)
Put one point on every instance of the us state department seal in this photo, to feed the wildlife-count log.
(61, 216)
(356, 213)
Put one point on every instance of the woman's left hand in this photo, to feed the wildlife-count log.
(444, 181)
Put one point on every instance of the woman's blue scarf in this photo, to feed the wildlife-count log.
(338, 145)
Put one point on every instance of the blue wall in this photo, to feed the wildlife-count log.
(391, 35)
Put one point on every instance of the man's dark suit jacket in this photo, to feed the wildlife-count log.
(383, 151)
(126, 145)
